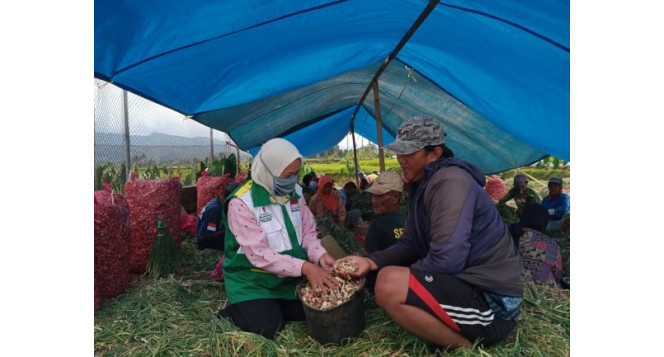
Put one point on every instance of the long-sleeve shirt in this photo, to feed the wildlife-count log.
(255, 244)
(318, 208)
(522, 199)
(560, 204)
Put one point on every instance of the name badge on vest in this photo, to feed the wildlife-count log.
(295, 207)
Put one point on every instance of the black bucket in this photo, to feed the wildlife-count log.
(337, 325)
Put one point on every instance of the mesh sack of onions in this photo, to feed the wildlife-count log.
(495, 187)
(208, 187)
(148, 201)
(111, 242)
(97, 297)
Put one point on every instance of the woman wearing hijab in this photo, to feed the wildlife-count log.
(270, 243)
(540, 254)
(327, 202)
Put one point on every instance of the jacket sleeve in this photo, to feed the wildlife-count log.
(210, 215)
(451, 202)
(563, 207)
(507, 197)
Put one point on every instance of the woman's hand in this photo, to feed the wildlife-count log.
(318, 277)
(364, 266)
(326, 262)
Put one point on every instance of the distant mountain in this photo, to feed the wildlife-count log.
(158, 147)
(154, 139)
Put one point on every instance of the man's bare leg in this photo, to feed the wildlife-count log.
(391, 292)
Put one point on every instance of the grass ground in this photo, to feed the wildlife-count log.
(175, 316)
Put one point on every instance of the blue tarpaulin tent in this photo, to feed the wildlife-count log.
(496, 74)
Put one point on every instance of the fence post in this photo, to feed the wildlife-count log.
(209, 164)
(126, 135)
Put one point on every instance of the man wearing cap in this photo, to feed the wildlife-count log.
(388, 223)
(556, 202)
(454, 276)
(523, 195)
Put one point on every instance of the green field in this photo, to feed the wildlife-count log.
(343, 169)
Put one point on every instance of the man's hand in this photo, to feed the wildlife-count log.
(364, 265)
(318, 277)
(326, 262)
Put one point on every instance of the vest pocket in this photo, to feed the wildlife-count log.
(277, 237)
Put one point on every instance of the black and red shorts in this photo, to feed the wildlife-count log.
(459, 305)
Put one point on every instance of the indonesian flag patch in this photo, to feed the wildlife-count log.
(212, 227)
(294, 205)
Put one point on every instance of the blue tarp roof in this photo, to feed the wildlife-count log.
(496, 74)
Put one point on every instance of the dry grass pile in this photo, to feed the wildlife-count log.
(175, 316)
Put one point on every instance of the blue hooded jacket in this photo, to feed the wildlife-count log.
(454, 228)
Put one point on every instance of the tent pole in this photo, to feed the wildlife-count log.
(379, 127)
(352, 133)
(126, 136)
(425, 13)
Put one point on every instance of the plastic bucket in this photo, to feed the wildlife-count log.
(337, 325)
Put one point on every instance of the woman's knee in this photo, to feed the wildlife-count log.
(261, 317)
(268, 328)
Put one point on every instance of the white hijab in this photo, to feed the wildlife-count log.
(276, 154)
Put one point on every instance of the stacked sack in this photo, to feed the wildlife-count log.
(97, 297)
(148, 201)
(111, 244)
(208, 187)
(495, 187)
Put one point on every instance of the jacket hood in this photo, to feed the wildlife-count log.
(473, 170)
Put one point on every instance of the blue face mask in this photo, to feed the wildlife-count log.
(281, 185)
(284, 185)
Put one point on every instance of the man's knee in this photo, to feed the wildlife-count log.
(390, 286)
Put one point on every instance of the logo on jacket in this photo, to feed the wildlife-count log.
(428, 278)
(265, 217)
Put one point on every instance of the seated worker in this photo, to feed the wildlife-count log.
(327, 202)
(307, 190)
(454, 276)
(388, 222)
(523, 195)
(540, 254)
(556, 202)
(271, 242)
(347, 192)
(210, 229)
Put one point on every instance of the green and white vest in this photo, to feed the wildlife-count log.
(282, 223)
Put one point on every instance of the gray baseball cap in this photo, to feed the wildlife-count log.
(416, 133)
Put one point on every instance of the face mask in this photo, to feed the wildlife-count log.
(281, 186)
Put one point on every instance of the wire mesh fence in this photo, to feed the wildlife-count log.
(160, 142)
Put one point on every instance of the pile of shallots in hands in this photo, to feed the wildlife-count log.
(326, 299)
